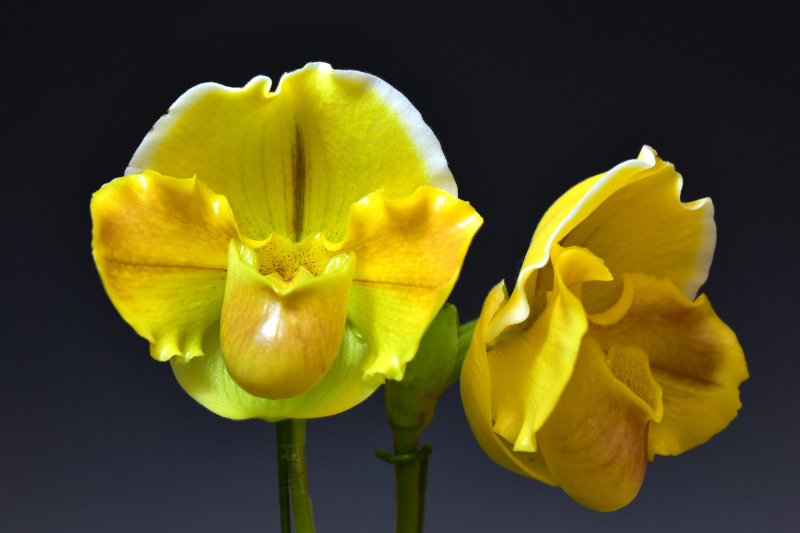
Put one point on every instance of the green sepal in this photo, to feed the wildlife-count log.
(410, 403)
(206, 379)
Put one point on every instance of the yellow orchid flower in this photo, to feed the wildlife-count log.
(602, 357)
(284, 250)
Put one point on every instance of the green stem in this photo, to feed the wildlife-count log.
(292, 452)
(407, 481)
(410, 404)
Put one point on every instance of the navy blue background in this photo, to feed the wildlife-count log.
(96, 436)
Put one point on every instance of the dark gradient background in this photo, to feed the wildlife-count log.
(96, 436)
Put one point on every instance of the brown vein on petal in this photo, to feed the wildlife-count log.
(683, 378)
(298, 181)
(387, 284)
(145, 265)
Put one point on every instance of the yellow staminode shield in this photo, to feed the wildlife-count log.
(321, 212)
(602, 357)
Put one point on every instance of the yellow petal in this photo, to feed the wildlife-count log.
(294, 160)
(476, 394)
(207, 380)
(160, 245)
(644, 227)
(577, 204)
(694, 357)
(279, 340)
(530, 369)
(595, 441)
(409, 253)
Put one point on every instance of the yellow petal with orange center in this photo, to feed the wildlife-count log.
(292, 161)
(595, 440)
(694, 357)
(279, 337)
(409, 253)
(160, 245)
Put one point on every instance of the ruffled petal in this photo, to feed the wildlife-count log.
(694, 357)
(161, 247)
(644, 227)
(294, 160)
(530, 369)
(206, 379)
(409, 253)
(476, 395)
(562, 217)
(279, 337)
(595, 441)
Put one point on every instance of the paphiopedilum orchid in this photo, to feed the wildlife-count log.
(603, 356)
(285, 250)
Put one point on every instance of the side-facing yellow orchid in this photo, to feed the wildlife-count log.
(284, 250)
(602, 357)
